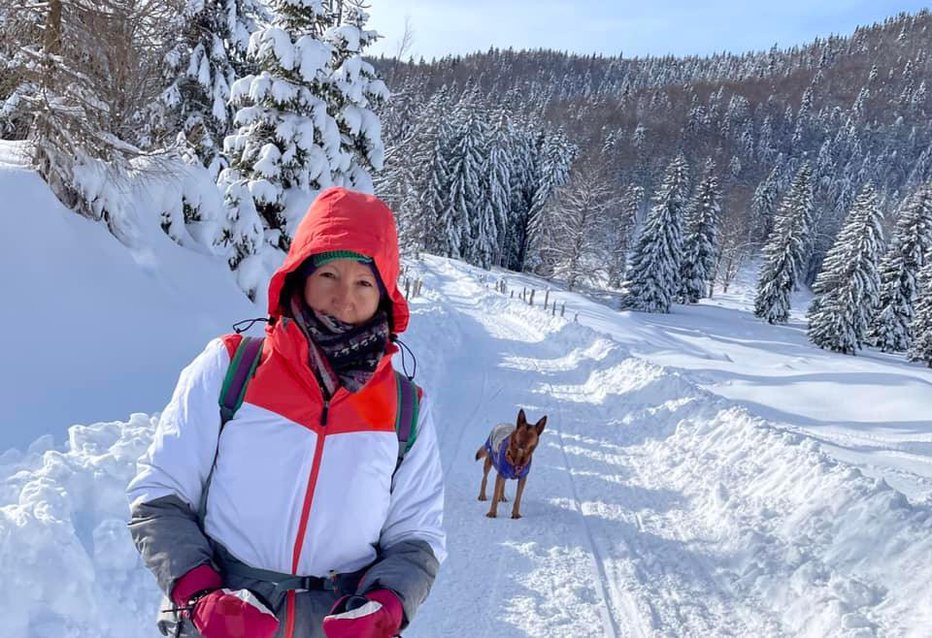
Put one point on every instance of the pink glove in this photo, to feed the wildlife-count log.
(378, 614)
(222, 613)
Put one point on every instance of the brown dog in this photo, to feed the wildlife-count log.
(508, 449)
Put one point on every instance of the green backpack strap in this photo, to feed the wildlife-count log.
(242, 368)
(406, 416)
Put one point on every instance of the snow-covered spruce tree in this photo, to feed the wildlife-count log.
(436, 190)
(784, 252)
(899, 268)
(921, 327)
(701, 242)
(464, 202)
(19, 25)
(496, 189)
(525, 157)
(848, 287)
(653, 277)
(212, 39)
(305, 119)
(408, 140)
(355, 90)
(68, 124)
(414, 181)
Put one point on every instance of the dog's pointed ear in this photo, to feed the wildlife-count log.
(539, 426)
(522, 420)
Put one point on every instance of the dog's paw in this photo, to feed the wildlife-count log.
(483, 497)
(515, 516)
(491, 515)
(504, 499)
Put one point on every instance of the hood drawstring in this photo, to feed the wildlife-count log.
(394, 338)
(250, 322)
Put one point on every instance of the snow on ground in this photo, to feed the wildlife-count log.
(873, 410)
(657, 505)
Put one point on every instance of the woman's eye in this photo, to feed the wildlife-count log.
(365, 283)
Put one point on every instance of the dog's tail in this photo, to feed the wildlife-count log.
(481, 453)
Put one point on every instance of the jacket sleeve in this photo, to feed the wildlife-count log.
(413, 542)
(166, 493)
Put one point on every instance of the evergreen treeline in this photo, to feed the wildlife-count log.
(657, 176)
(802, 156)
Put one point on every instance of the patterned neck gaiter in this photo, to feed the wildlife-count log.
(341, 354)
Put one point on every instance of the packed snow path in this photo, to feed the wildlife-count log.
(653, 507)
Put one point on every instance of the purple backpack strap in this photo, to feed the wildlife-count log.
(406, 415)
(242, 367)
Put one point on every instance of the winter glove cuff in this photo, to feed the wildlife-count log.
(390, 603)
(201, 578)
(377, 614)
(225, 613)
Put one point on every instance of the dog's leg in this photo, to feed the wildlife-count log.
(516, 508)
(497, 492)
(485, 477)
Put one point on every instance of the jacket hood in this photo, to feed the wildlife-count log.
(341, 219)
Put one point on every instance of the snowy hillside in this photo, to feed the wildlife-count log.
(667, 498)
(95, 330)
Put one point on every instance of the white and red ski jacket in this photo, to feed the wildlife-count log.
(300, 486)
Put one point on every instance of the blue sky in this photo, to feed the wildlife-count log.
(645, 27)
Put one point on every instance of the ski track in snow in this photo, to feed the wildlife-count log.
(653, 508)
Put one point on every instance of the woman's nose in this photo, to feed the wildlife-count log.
(342, 298)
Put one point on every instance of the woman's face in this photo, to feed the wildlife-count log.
(345, 289)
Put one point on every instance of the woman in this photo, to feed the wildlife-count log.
(307, 529)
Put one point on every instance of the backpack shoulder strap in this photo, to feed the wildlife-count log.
(406, 416)
(242, 368)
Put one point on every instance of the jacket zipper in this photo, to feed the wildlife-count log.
(308, 496)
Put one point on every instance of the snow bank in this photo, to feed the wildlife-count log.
(69, 566)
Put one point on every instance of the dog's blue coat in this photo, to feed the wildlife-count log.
(496, 445)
